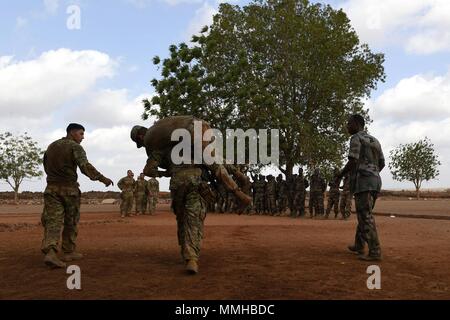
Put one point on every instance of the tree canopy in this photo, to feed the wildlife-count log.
(277, 64)
(415, 162)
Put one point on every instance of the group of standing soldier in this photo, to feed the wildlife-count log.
(274, 196)
(144, 193)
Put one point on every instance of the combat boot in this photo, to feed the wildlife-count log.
(354, 249)
(52, 260)
(72, 256)
(192, 266)
(370, 257)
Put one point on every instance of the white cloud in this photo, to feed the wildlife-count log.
(51, 6)
(21, 22)
(38, 87)
(203, 17)
(415, 108)
(109, 108)
(421, 26)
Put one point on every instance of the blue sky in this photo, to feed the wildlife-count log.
(50, 75)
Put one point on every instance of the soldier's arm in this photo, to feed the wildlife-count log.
(120, 184)
(381, 161)
(353, 156)
(86, 168)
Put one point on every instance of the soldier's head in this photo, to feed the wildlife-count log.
(280, 177)
(75, 132)
(336, 171)
(355, 124)
(261, 177)
(300, 171)
(317, 171)
(137, 135)
(130, 174)
(142, 176)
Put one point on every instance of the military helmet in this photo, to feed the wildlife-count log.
(134, 133)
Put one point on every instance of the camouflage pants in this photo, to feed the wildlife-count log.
(60, 208)
(298, 208)
(141, 203)
(259, 203)
(271, 204)
(220, 204)
(316, 203)
(282, 203)
(366, 231)
(333, 203)
(345, 205)
(190, 210)
(152, 202)
(127, 203)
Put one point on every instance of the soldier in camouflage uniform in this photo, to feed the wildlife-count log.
(259, 186)
(271, 193)
(140, 195)
(300, 185)
(365, 161)
(345, 206)
(290, 185)
(221, 198)
(318, 187)
(189, 192)
(282, 197)
(153, 195)
(126, 185)
(333, 194)
(62, 195)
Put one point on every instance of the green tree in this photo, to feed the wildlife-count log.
(415, 162)
(276, 64)
(20, 158)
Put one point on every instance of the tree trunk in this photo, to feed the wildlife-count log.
(16, 196)
(418, 193)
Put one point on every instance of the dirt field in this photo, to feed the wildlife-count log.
(243, 257)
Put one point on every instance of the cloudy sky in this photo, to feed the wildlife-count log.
(52, 74)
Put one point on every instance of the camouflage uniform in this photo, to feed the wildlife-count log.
(365, 184)
(153, 194)
(140, 195)
(282, 196)
(62, 195)
(345, 206)
(126, 185)
(333, 196)
(221, 197)
(300, 185)
(271, 194)
(259, 186)
(318, 187)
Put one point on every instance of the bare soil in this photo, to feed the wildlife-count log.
(243, 257)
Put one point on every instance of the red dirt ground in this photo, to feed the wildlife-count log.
(243, 257)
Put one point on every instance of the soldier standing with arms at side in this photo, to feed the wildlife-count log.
(365, 161)
(153, 195)
(333, 194)
(140, 195)
(345, 206)
(259, 186)
(281, 195)
(318, 187)
(271, 193)
(62, 195)
(126, 185)
(300, 185)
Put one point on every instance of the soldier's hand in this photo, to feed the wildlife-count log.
(106, 181)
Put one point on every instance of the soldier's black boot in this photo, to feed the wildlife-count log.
(356, 250)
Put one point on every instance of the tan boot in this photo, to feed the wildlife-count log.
(52, 260)
(72, 256)
(192, 266)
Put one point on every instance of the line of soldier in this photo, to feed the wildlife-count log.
(143, 193)
(275, 196)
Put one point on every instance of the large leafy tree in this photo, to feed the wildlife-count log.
(276, 64)
(416, 162)
(20, 158)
